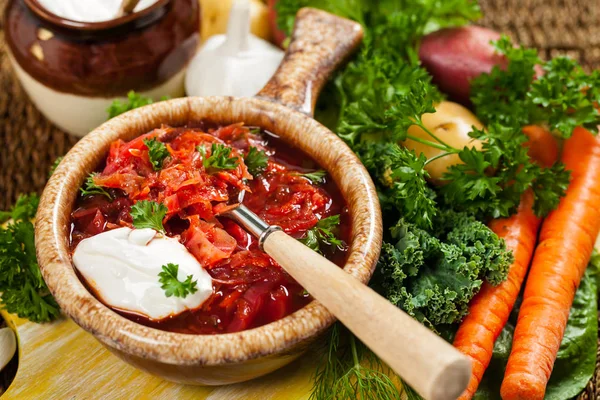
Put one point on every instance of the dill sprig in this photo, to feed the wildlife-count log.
(350, 370)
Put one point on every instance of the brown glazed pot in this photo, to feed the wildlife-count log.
(320, 43)
(73, 70)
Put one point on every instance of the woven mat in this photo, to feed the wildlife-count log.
(31, 143)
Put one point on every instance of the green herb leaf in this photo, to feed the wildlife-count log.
(23, 291)
(349, 370)
(157, 152)
(220, 157)
(322, 234)
(434, 275)
(54, 165)
(256, 161)
(401, 177)
(90, 187)
(316, 177)
(173, 286)
(134, 100)
(490, 181)
(563, 98)
(148, 214)
(24, 209)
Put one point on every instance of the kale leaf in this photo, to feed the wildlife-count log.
(434, 276)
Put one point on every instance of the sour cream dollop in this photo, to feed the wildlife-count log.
(122, 266)
(89, 10)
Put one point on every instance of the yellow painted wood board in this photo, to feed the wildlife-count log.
(60, 360)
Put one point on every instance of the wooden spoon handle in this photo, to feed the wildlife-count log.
(434, 368)
(319, 44)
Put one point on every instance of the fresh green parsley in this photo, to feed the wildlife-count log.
(91, 188)
(256, 160)
(315, 177)
(54, 165)
(148, 214)
(157, 152)
(173, 286)
(323, 234)
(22, 289)
(134, 100)
(563, 98)
(24, 209)
(220, 157)
(471, 187)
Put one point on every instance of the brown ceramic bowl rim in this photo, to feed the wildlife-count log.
(42, 12)
(52, 233)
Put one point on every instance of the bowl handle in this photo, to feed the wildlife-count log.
(320, 43)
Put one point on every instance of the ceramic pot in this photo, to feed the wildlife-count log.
(72, 71)
(320, 43)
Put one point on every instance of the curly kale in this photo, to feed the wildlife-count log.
(433, 276)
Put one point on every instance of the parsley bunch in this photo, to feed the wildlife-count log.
(563, 98)
(134, 100)
(24, 292)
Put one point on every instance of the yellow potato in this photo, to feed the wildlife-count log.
(452, 123)
(215, 14)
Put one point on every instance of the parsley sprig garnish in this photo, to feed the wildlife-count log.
(149, 214)
(323, 234)
(220, 157)
(157, 152)
(90, 187)
(256, 160)
(172, 285)
(316, 177)
(23, 291)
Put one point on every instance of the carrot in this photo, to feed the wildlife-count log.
(490, 308)
(566, 242)
(543, 147)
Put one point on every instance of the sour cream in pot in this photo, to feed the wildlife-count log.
(122, 266)
(89, 10)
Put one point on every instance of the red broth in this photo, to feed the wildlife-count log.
(249, 288)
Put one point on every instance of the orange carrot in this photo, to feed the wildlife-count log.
(566, 241)
(490, 308)
(543, 147)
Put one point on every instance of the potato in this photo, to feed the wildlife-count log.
(215, 15)
(454, 56)
(452, 123)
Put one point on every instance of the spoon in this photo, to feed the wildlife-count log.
(127, 7)
(429, 364)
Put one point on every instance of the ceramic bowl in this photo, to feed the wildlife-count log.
(231, 357)
(72, 71)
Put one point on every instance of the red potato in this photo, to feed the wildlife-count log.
(454, 56)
